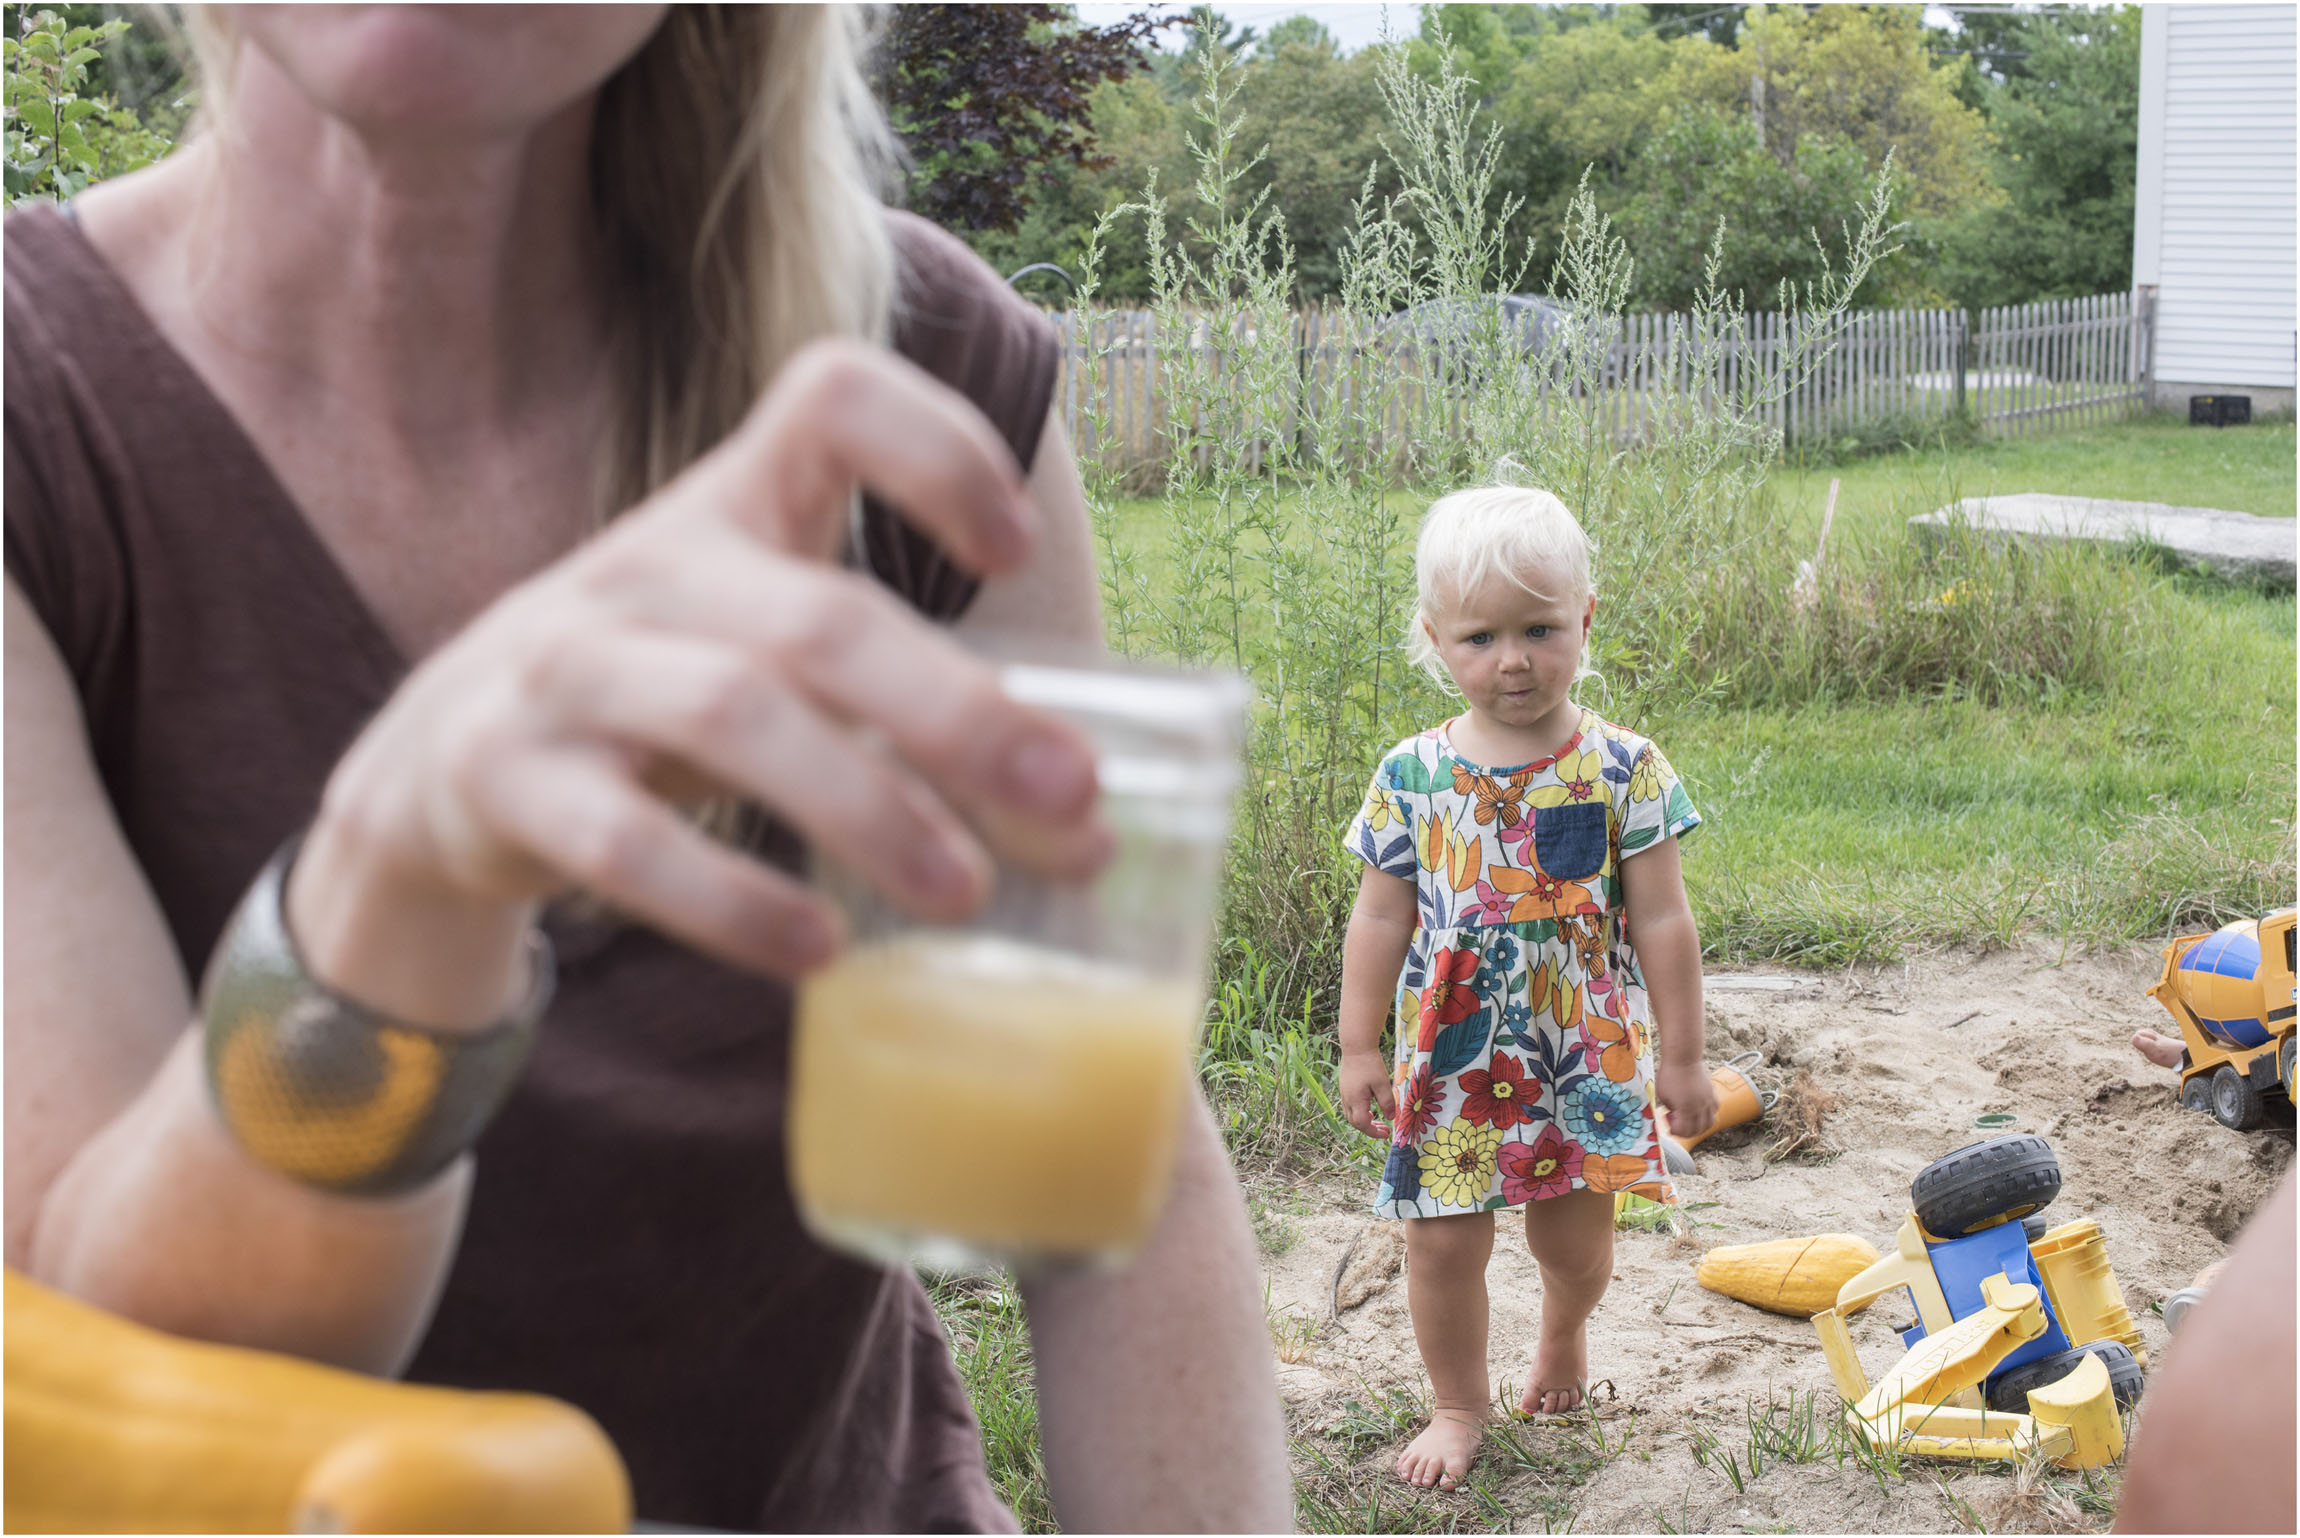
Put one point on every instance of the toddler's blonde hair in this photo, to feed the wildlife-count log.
(1466, 538)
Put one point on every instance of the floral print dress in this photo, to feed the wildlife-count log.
(1524, 1066)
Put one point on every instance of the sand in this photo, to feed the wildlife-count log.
(1914, 1054)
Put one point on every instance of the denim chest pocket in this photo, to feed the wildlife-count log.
(1569, 841)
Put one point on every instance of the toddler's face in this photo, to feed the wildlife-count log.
(1513, 653)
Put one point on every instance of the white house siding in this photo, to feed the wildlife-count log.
(2214, 218)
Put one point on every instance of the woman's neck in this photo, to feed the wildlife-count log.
(441, 291)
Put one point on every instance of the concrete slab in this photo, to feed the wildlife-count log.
(2240, 546)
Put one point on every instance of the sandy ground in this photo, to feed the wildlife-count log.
(1916, 1053)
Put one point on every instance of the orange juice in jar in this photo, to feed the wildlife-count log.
(1010, 1091)
(1017, 1098)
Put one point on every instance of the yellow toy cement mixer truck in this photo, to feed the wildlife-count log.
(2232, 993)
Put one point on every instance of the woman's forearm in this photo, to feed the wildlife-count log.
(1158, 1403)
(252, 1258)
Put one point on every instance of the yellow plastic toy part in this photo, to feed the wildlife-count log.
(1908, 1266)
(115, 1428)
(1798, 1277)
(2073, 1260)
(2073, 1421)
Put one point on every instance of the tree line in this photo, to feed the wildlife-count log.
(2012, 133)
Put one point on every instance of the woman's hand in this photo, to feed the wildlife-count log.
(705, 644)
(1367, 1099)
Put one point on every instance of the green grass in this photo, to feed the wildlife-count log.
(1921, 662)
(1525, 1480)
(990, 1340)
(1853, 832)
(2156, 799)
(2157, 458)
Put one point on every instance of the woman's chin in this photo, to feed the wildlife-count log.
(477, 66)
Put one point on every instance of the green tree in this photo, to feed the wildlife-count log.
(1138, 132)
(1859, 73)
(1583, 99)
(1718, 23)
(1318, 116)
(1318, 113)
(2062, 93)
(1709, 166)
(57, 136)
(986, 97)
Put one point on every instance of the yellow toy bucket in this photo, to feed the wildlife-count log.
(1738, 1100)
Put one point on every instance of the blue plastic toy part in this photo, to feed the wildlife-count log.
(2233, 952)
(1960, 1265)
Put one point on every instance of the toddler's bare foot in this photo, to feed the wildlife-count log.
(1560, 1368)
(2163, 1051)
(1442, 1454)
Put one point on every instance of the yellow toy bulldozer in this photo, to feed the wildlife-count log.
(2023, 1343)
(2231, 992)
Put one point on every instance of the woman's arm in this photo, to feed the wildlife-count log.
(2212, 1451)
(121, 1186)
(1157, 1397)
(1669, 954)
(701, 645)
(1158, 1403)
(1056, 595)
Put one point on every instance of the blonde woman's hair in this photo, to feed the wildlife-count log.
(1470, 537)
(735, 166)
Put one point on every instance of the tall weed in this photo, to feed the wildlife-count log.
(2001, 622)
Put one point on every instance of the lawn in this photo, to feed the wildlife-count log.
(1856, 831)
(2167, 801)
(2156, 458)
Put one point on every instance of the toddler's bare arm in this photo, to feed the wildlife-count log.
(1381, 929)
(1669, 953)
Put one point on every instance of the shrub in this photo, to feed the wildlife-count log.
(57, 140)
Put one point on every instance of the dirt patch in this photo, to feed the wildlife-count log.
(1912, 1056)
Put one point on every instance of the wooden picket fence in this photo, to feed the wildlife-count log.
(2018, 370)
(2060, 361)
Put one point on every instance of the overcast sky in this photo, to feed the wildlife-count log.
(1353, 25)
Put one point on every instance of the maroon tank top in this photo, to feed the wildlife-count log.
(631, 1244)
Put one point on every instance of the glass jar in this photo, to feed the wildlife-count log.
(1009, 1090)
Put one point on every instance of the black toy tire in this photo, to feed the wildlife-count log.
(1966, 1191)
(2236, 1105)
(2196, 1093)
(2036, 1225)
(2008, 1391)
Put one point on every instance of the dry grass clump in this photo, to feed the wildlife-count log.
(1798, 1118)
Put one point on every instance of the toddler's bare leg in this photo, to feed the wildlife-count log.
(1445, 1291)
(1571, 1237)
